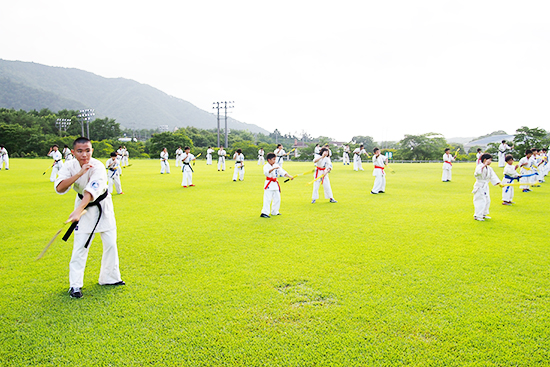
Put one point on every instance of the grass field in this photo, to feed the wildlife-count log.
(405, 277)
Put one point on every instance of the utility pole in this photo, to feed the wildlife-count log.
(227, 131)
(86, 115)
(218, 106)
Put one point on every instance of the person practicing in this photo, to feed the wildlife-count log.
(67, 153)
(87, 176)
(544, 166)
(179, 156)
(478, 156)
(345, 155)
(187, 170)
(57, 161)
(323, 166)
(510, 175)
(261, 160)
(4, 158)
(125, 156)
(164, 164)
(272, 189)
(482, 199)
(239, 165)
(502, 149)
(113, 176)
(448, 165)
(380, 163)
(525, 170)
(280, 153)
(221, 158)
(209, 152)
(357, 165)
(316, 150)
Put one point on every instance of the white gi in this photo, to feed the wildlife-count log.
(379, 174)
(57, 163)
(125, 156)
(280, 153)
(316, 150)
(321, 167)
(93, 181)
(502, 148)
(239, 167)
(540, 167)
(209, 152)
(345, 155)
(534, 169)
(482, 198)
(221, 159)
(67, 154)
(187, 171)
(261, 157)
(509, 175)
(272, 190)
(478, 158)
(357, 166)
(4, 159)
(113, 176)
(525, 169)
(447, 167)
(179, 157)
(164, 164)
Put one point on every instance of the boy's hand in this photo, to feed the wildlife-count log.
(84, 169)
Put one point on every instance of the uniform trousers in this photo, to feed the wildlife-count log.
(114, 179)
(5, 160)
(357, 166)
(238, 172)
(164, 166)
(379, 181)
(482, 201)
(447, 174)
(261, 161)
(326, 188)
(187, 179)
(221, 163)
(345, 158)
(56, 167)
(273, 198)
(209, 159)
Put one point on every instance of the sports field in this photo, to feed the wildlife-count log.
(405, 277)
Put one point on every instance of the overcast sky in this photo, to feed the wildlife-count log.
(331, 68)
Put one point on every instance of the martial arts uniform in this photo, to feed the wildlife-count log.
(447, 167)
(510, 175)
(187, 170)
(93, 181)
(534, 169)
(57, 163)
(379, 174)
(67, 154)
(125, 156)
(179, 156)
(540, 168)
(113, 175)
(221, 159)
(482, 198)
(4, 159)
(209, 156)
(502, 148)
(525, 170)
(280, 153)
(261, 157)
(478, 158)
(345, 156)
(239, 167)
(164, 164)
(357, 166)
(321, 167)
(272, 190)
(316, 150)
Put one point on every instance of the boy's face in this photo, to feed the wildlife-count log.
(529, 155)
(510, 162)
(83, 152)
(488, 161)
(271, 161)
(187, 151)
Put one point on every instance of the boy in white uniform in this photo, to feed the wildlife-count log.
(323, 166)
(187, 170)
(357, 166)
(280, 153)
(125, 156)
(447, 165)
(239, 165)
(221, 158)
(526, 171)
(510, 175)
(113, 175)
(67, 153)
(544, 166)
(261, 160)
(482, 198)
(57, 161)
(478, 156)
(272, 190)
(164, 164)
(345, 155)
(316, 150)
(502, 148)
(179, 156)
(379, 162)
(4, 158)
(88, 178)
(209, 152)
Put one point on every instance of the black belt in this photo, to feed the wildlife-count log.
(96, 202)
(187, 164)
(57, 161)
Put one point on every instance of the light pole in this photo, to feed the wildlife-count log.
(86, 115)
(62, 124)
(226, 107)
(217, 106)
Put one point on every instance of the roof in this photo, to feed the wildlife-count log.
(491, 139)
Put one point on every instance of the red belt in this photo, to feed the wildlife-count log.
(270, 180)
(318, 169)
(382, 168)
(448, 162)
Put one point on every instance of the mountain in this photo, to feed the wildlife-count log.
(461, 140)
(28, 86)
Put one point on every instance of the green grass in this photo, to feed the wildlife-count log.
(406, 277)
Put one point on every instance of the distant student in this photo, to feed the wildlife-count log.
(209, 152)
(478, 156)
(380, 163)
(272, 190)
(345, 155)
(280, 153)
(482, 198)
(125, 156)
(187, 170)
(164, 164)
(67, 153)
(357, 165)
(510, 175)
(448, 160)
(526, 171)
(4, 158)
(113, 176)
(221, 158)
(502, 149)
(323, 166)
(317, 149)
(540, 163)
(179, 155)
(544, 157)
(261, 160)
(239, 165)
(57, 161)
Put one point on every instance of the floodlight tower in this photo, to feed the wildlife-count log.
(86, 115)
(227, 105)
(217, 107)
(62, 124)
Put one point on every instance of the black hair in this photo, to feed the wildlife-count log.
(361, 146)
(375, 149)
(239, 151)
(81, 140)
(485, 156)
(55, 145)
(504, 141)
(186, 148)
(113, 154)
(66, 146)
(323, 150)
(528, 151)
(508, 157)
(479, 149)
(279, 145)
(447, 149)
(270, 156)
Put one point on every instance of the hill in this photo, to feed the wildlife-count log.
(27, 86)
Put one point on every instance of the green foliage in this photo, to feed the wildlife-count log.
(527, 138)
(168, 140)
(367, 141)
(103, 129)
(422, 147)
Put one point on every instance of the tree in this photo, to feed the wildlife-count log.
(422, 147)
(101, 129)
(367, 141)
(527, 138)
(168, 140)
